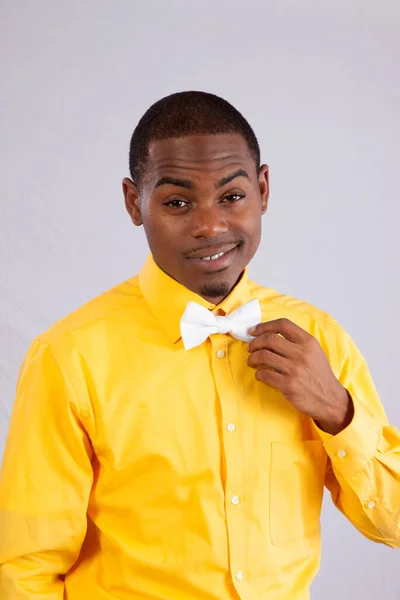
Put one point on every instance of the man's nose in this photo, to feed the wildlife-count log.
(208, 222)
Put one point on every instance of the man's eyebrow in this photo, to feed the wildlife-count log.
(185, 183)
(229, 178)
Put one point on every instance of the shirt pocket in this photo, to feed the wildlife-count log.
(297, 475)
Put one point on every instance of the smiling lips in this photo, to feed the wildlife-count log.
(204, 261)
(203, 256)
(215, 256)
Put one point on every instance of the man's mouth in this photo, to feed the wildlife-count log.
(215, 256)
(210, 261)
(212, 253)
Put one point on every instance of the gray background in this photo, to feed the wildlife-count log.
(319, 82)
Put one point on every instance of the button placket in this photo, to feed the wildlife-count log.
(234, 459)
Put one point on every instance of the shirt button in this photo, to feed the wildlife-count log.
(371, 504)
(342, 453)
(239, 575)
(235, 499)
(220, 353)
(231, 427)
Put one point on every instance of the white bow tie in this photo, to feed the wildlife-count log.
(197, 323)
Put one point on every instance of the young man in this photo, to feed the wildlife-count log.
(162, 448)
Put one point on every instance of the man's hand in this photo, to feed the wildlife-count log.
(295, 364)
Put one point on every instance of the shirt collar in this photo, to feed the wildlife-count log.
(167, 298)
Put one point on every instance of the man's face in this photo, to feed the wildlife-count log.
(201, 204)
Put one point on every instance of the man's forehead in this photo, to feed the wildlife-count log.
(209, 152)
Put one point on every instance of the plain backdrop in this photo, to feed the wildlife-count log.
(319, 82)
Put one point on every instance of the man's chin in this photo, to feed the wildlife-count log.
(215, 291)
(217, 286)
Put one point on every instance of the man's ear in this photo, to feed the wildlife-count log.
(263, 181)
(132, 203)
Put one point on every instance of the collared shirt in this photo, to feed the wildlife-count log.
(137, 469)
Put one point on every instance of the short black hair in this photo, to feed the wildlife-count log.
(182, 114)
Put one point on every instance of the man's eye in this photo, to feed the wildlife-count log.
(232, 198)
(176, 203)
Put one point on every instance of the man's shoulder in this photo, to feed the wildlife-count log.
(110, 305)
(276, 305)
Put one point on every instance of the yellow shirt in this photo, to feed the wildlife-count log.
(135, 469)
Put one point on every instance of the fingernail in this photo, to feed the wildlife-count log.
(252, 330)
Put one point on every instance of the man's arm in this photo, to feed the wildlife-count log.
(363, 473)
(364, 468)
(45, 482)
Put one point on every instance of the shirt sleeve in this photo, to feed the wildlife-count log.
(45, 482)
(363, 473)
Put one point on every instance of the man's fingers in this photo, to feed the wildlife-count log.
(274, 343)
(276, 380)
(266, 358)
(285, 327)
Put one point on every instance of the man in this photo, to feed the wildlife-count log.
(160, 447)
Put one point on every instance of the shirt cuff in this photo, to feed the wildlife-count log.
(352, 448)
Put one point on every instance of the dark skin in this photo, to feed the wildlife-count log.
(299, 368)
(202, 196)
(182, 223)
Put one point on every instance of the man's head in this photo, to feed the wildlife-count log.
(198, 189)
